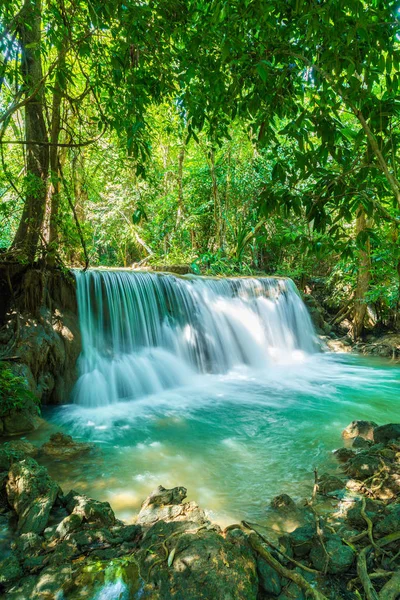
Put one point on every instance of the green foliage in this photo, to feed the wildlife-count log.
(14, 394)
(236, 136)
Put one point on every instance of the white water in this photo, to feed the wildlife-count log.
(144, 333)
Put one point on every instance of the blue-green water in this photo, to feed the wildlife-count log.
(233, 440)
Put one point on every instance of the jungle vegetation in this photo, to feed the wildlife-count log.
(239, 136)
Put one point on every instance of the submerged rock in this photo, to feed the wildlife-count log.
(32, 493)
(364, 429)
(284, 503)
(61, 446)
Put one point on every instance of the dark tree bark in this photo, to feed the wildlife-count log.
(28, 31)
(363, 277)
(53, 197)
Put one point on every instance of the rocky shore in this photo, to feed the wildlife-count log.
(67, 546)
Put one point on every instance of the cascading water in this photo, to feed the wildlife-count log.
(143, 333)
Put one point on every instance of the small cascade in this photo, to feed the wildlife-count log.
(143, 333)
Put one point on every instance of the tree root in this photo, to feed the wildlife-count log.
(246, 525)
(258, 546)
(391, 589)
(370, 592)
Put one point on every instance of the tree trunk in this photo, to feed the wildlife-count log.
(53, 196)
(215, 195)
(363, 277)
(26, 239)
(180, 211)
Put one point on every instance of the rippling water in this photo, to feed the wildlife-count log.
(234, 440)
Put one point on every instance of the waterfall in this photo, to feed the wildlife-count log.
(143, 333)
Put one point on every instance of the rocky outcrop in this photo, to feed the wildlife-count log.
(386, 346)
(39, 330)
(31, 493)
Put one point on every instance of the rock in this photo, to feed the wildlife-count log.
(70, 523)
(93, 511)
(10, 570)
(283, 502)
(200, 564)
(373, 510)
(341, 556)
(61, 446)
(32, 493)
(301, 540)
(329, 483)
(5, 460)
(363, 465)
(27, 544)
(17, 422)
(22, 448)
(268, 578)
(385, 433)
(360, 442)
(344, 454)
(167, 505)
(391, 522)
(52, 581)
(363, 429)
(292, 592)
(161, 496)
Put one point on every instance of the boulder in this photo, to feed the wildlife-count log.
(167, 505)
(329, 483)
(363, 465)
(302, 539)
(373, 510)
(361, 443)
(268, 578)
(182, 560)
(341, 556)
(21, 448)
(93, 511)
(344, 454)
(17, 422)
(283, 502)
(32, 493)
(364, 429)
(386, 433)
(391, 522)
(61, 446)
(27, 544)
(10, 570)
(69, 524)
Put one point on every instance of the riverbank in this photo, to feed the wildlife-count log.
(67, 543)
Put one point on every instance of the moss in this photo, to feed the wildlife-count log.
(14, 393)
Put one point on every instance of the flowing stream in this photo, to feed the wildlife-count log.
(219, 385)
